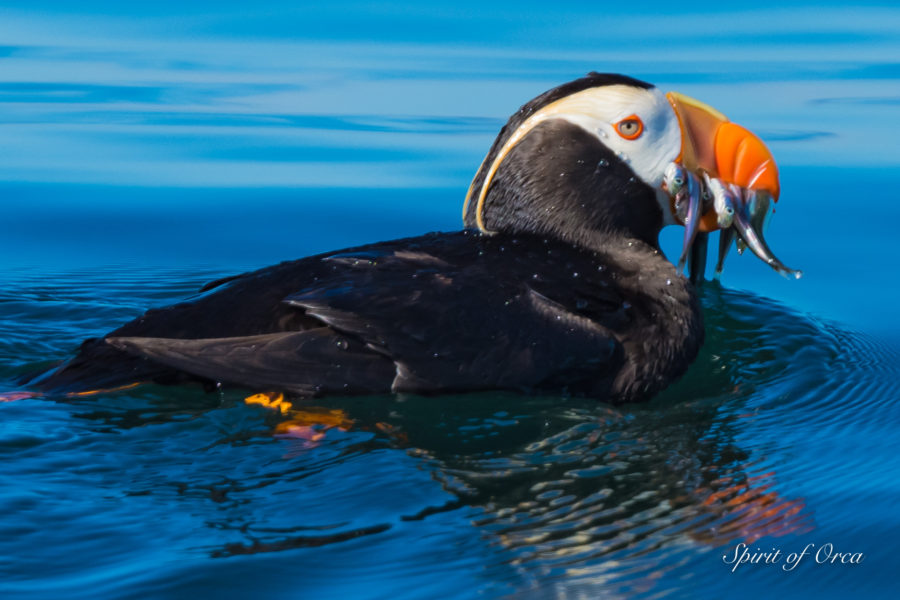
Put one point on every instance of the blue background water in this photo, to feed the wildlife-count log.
(146, 148)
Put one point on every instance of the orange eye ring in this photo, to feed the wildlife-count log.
(630, 128)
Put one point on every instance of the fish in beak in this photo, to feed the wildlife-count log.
(726, 180)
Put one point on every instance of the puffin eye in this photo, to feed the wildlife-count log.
(630, 128)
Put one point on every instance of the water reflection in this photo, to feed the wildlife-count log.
(572, 494)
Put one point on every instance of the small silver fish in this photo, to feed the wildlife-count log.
(675, 183)
(726, 238)
(723, 200)
(749, 218)
(692, 216)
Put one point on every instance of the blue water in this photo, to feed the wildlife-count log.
(146, 148)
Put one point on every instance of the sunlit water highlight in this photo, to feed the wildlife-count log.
(184, 149)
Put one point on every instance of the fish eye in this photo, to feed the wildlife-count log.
(630, 128)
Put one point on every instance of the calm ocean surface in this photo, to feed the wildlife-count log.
(146, 148)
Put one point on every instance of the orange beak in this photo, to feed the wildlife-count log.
(726, 157)
(712, 144)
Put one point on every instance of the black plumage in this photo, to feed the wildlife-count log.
(570, 295)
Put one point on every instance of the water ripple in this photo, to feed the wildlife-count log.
(573, 496)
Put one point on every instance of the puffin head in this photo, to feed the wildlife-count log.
(608, 155)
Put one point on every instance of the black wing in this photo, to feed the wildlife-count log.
(312, 362)
(479, 319)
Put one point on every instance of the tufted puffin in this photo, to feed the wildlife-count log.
(556, 284)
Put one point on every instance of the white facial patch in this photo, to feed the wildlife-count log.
(597, 110)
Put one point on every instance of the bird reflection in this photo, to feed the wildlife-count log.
(576, 486)
(576, 491)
